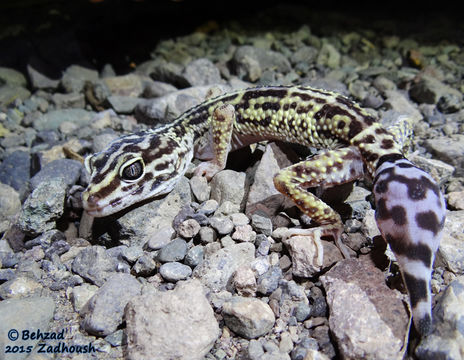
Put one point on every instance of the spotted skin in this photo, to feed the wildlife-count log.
(410, 208)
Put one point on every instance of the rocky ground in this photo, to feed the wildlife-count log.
(202, 272)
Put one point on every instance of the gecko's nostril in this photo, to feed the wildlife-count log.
(92, 200)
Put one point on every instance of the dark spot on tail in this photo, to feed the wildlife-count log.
(402, 247)
(424, 325)
(398, 215)
(428, 220)
(418, 289)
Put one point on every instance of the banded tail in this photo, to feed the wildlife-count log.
(410, 213)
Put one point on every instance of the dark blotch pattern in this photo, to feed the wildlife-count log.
(402, 247)
(418, 289)
(428, 220)
(398, 215)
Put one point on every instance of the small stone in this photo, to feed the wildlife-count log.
(207, 235)
(117, 338)
(94, 264)
(244, 233)
(208, 207)
(173, 330)
(10, 205)
(194, 256)
(202, 72)
(200, 188)
(217, 269)
(245, 281)
(145, 266)
(262, 224)
(132, 254)
(449, 150)
(53, 119)
(129, 85)
(19, 287)
(302, 312)
(228, 185)
(248, 317)
(328, 56)
(239, 219)
(81, 294)
(11, 77)
(188, 228)
(43, 207)
(104, 312)
(222, 225)
(173, 251)
(66, 170)
(175, 271)
(456, 200)
(452, 240)
(161, 238)
(123, 104)
(15, 170)
(269, 281)
(75, 76)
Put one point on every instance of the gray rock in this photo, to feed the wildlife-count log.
(430, 90)
(161, 238)
(175, 271)
(207, 235)
(94, 264)
(244, 281)
(168, 73)
(15, 170)
(75, 76)
(217, 269)
(170, 106)
(400, 105)
(269, 281)
(71, 100)
(244, 233)
(449, 150)
(81, 294)
(123, 104)
(447, 338)
(11, 77)
(177, 324)
(43, 207)
(104, 312)
(223, 225)
(66, 170)
(329, 56)
(202, 72)
(19, 287)
(200, 188)
(248, 317)
(24, 314)
(450, 252)
(367, 318)
(249, 62)
(39, 80)
(145, 266)
(173, 251)
(9, 93)
(188, 228)
(208, 207)
(194, 256)
(53, 119)
(229, 185)
(155, 89)
(129, 85)
(304, 54)
(10, 205)
(262, 223)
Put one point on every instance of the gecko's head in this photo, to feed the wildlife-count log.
(130, 170)
(410, 213)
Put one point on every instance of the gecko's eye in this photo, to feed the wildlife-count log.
(132, 170)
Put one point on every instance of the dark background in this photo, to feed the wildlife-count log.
(53, 34)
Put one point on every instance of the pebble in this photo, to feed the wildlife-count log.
(228, 185)
(94, 264)
(223, 225)
(175, 271)
(10, 205)
(248, 317)
(145, 266)
(173, 330)
(262, 224)
(173, 251)
(201, 72)
(207, 235)
(43, 207)
(244, 233)
(188, 229)
(103, 313)
(80, 294)
(19, 287)
(200, 188)
(15, 170)
(66, 170)
(194, 256)
(244, 281)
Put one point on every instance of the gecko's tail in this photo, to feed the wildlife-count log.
(410, 213)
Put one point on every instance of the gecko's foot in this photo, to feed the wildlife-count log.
(207, 169)
(315, 234)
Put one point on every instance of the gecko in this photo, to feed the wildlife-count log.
(410, 208)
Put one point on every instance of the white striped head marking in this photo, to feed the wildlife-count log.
(132, 169)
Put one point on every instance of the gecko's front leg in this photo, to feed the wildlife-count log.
(221, 128)
(330, 168)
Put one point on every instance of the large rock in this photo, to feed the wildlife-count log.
(447, 338)
(104, 312)
(368, 320)
(177, 324)
(23, 314)
(450, 253)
